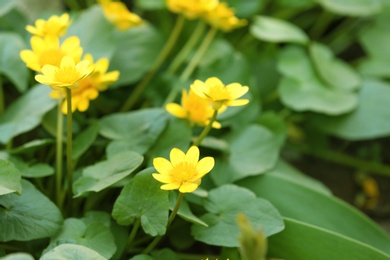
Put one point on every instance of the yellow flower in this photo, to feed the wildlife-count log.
(89, 87)
(222, 17)
(184, 172)
(194, 108)
(48, 50)
(191, 8)
(67, 75)
(55, 26)
(218, 94)
(119, 15)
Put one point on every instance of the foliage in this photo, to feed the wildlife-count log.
(315, 73)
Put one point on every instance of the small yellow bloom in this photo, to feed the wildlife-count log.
(218, 94)
(223, 18)
(119, 15)
(184, 172)
(191, 9)
(89, 87)
(48, 50)
(67, 75)
(55, 26)
(194, 108)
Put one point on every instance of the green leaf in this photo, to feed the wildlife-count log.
(31, 146)
(17, 256)
(10, 179)
(6, 5)
(84, 140)
(276, 30)
(143, 199)
(300, 88)
(71, 252)
(253, 150)
(142, 257)
(28, 216)
(305, 203)
(223, 204)
(245, 9)
(165, 254)
(32, 170)
(300, 240)
(176, 134)
(352, 7)
(150, 4)
(10, 63)
(93, 17)
(25, 113)
(106, 173)
(92, 231)
(141, 44)
(136, 131)
(334, 72)
(368, 121)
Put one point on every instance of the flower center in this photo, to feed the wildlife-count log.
(184, 172)
(67, 75)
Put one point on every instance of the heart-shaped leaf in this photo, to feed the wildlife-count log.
(72, 252)
(10, 178)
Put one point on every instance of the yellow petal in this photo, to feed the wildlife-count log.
(176, 156)
(213, 81)
(204, 166)
(216, 125)
(90, 93)
(188, 187)
(49, 70)
(176, 110)
(170, 186)
(164, 178)
(67, 61)
(83, 104)
(102, 65)
(162, 165)
(199, 88)
(192, 155)
(239, 102)
(236, 90)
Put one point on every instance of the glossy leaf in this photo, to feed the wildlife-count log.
(301, 240)
(25, 113)
(223, 204)
(17, 256)
(92, 231)
(352, 7)
(141, 44)
(151, 207)
(10, 178)
(136, 131)
(245, 9)
(106, 173)
(33, 170)
(11, 65)
(301, 90)
(334, 72)
(368, 121)
(6, 5)
(28, 216)
(184, 210)
(304, 203)
(276, 30)
(31, 146)
(72, 252)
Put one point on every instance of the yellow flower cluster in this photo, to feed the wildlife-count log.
(61, 66)
(206, 97)
(217, 14)
(119, 15)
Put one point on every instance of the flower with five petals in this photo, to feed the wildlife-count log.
(184, 171)
(55, 26)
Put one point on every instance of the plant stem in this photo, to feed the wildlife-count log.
(133, 232)
(69, 148)
(59, 154)
(180, 57)
(206, 130)
(2, 106)
(347, 160)
(193, 63)
(170, 220)
(139, 89)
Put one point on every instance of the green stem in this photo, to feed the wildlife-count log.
(133, 232)
(59, 154)
(69, 148)
(206, 130)
(139, 89)
(180, 57)
(347, 160)
(2, 106)
(193, 63)
(170, 220)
